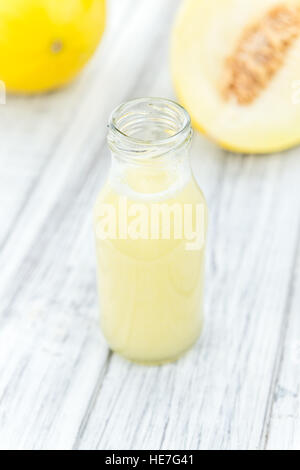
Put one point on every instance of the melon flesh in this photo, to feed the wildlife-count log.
(212, 37)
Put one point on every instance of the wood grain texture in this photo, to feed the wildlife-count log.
(284, 423)
(60, 387)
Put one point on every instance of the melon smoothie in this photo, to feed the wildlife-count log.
(150, 225)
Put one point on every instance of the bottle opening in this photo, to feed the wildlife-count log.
(148, 126)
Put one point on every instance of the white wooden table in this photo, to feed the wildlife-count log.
(60, 386)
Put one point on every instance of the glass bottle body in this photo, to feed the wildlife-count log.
(150, 226)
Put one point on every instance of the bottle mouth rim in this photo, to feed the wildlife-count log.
(180, 134)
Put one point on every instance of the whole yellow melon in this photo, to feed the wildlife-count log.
(45, 43)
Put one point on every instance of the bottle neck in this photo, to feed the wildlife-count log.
(150, 141)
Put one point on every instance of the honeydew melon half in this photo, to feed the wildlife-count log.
(236, 69)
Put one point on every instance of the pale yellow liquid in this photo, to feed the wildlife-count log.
(151, 291)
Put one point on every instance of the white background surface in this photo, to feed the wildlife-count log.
(60, 387)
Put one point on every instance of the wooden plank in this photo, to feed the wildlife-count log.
(216, 397)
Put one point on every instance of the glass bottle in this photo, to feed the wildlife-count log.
(150, 226)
